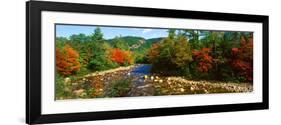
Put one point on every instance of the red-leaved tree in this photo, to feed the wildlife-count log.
(203, 58)
(242, 60)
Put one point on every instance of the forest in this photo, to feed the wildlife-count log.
(182, 62)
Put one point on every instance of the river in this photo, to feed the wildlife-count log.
(139, 72)
(142, 69)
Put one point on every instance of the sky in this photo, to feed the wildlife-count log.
(110, 32)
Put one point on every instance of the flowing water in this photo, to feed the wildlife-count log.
(139, 72)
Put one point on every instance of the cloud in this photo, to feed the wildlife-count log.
(146, 30)
(143, 30)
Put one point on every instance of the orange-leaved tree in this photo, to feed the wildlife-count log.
(67, 60)
(128, 57)
(122, 57)
(117, 56)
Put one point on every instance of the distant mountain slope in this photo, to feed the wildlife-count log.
(130, 40)
(153, 40)
(138, 42)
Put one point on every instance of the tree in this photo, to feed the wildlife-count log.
(61, 41)
(242, 60)
(117, 56)
(100, 50)
(203, 59)
(121, 57)
(118, 42)
(80, 38)
(153, 53)
(129, 57)
(172, 33)
(182, 55)
(193, 38)
(67, 60)
(101, 57)
(171, 55)
(97, 36)
(81, 43)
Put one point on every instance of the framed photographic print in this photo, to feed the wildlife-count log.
(95, 62)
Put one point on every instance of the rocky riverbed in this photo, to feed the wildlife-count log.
(178, 86)
(146, 84)
(102, 80)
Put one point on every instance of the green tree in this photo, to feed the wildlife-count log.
(193, 38)
(172, 33)
(82, 43)
(100, 59)
(61, 41)
(182, 52)
(172, 55)
(118, 42)
(80, 38)
(97, 36)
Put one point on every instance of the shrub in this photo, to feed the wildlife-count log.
(118, 88)
(62, 90)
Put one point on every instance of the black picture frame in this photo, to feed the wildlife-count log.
(33, 61)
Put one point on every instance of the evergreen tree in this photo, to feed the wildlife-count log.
(118, 42)
(97, 36)
(182, 52)
(100, 59)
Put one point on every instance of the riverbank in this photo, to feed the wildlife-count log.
(111, 70)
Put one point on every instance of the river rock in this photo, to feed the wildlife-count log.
(83, 94)
(67, 81)
(67, 89)
(192, 88)
(78, 92)
(75, 83)
(182, 89)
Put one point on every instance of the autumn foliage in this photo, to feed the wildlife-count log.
(67, 60)
(128, 57)
(153, 53)
(204, 59)
(121, 56)
(171, 56)
(243, 58)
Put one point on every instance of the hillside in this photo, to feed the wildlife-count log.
(134, 42)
